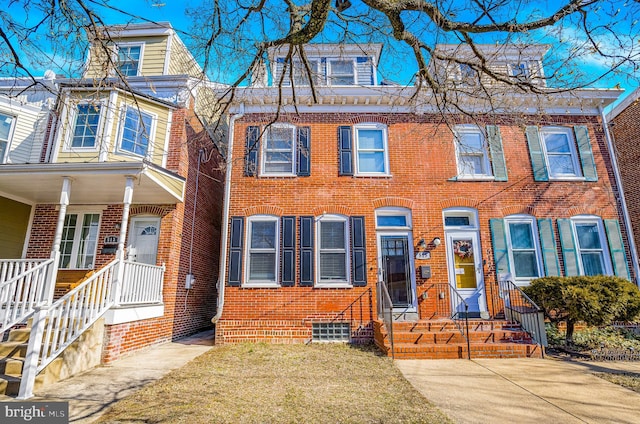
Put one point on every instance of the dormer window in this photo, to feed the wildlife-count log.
(129, 59)
(341, 72)
(518, 70)
(468, 75)
(6, 126)
(301, 74)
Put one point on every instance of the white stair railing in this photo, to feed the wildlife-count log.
(55, 327)
(142, 283)
(23, 290)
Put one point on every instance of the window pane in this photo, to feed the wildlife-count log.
(332, 234)
(561, 164)
(392, 221)
(521, 237)
(370, 139)
(371, 162)
(333, 266)
(588, 236)
(525, 264)
(128, 60)
(471, 164)
(3, 150)
(86, 126)
(262, 266)
(471, 142)
(280, 138)
(5, 127)
(341, 67)
(592, 263)
(456, 220)
(88, 241)
(557, 143)
(263, 234)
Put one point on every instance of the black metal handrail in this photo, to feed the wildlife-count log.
(385, 311)
(520, 308)
(455, 316)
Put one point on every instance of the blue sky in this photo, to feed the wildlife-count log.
(397, 62)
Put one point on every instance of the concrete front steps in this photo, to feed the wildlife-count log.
(441, 339)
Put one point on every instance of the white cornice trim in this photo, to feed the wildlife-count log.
(625, 103)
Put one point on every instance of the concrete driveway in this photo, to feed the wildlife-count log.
(525, 390)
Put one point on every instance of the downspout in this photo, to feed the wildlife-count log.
(225, 215)
(623, 202)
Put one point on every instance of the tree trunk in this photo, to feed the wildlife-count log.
(569, 336)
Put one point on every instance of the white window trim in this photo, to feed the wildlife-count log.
(9, 140)
(591, 219)
(334, 283)
(130, 44)
(371, 126)
(514, 65)
(527, 219)
(468, 80)
(471, 213)
(247, 252)
(572, 147)
(393, 211)
(472, 129)
(76, 239)
(329, 70)
(152, 132)
(263, 155)
(144, 217)
(73, 115)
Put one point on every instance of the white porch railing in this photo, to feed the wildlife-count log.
(22, 289)
(142, 283)
(10, 268)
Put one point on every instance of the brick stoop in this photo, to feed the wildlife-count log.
(441, 339)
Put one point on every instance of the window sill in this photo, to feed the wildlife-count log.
(373, 175)
(333, 286)
(567, 178)
(277, 175)
(261, 286)
(473, 178)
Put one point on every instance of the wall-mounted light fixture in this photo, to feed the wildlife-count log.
(422, 244)
(436, 241)
(116, 226)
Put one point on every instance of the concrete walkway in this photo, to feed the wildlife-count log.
(525, 390)
(90, 394)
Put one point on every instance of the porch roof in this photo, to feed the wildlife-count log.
(91, 183)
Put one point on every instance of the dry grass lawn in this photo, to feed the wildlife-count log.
(259, 383)
(628, 380)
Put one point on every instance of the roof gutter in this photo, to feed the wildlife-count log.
(623, 202)
(225, 215)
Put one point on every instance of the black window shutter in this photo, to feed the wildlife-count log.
(306, 251)
(251, 153)
(304, 152)
(235, 251)
(345, 150)
(358, 252)
(288, 251)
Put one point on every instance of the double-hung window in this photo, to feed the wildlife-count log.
(333, 263)
(371, 149)
(471, 148)
(262, 250)
(279, 147)
(6, 126)
(559, 148)
(590, 243)
(79, 240)
(523, 247)
(468, 75)
(136, 131)
(301, 74)
(518, 70)
(341, 72)
(128, 61)
(85, 129)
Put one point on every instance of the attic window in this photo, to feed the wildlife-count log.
(468, 75)
(129, 57)
(518, 70)
(341, 72)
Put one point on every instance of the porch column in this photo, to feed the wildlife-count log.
(65, 194)
(124, 223)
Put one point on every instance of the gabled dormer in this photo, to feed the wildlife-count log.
(140, 50)
(327, 65)
(509, 62)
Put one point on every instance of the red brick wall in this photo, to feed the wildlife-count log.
(626, 135)
(422, 160)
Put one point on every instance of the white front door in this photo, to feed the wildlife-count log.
(464, 257)
(143, 240)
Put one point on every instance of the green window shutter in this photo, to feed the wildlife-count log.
(537, 155)
(616, 248)
(568, 244)
(548, 246)
(499, 243)
(497, 153)
(586, 154)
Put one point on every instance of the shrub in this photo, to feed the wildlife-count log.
(596, 300)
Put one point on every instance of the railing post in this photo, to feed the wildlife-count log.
(30, 367)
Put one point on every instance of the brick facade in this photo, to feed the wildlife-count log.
(422, 165)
